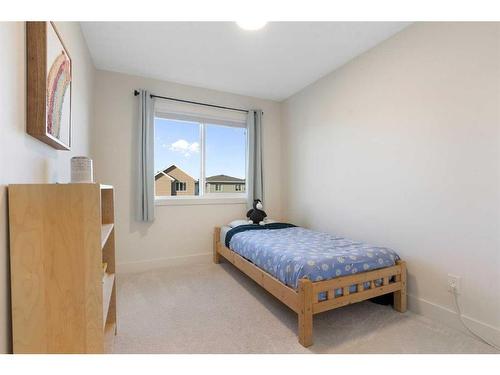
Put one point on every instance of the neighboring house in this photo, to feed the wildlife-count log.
(174, 181)
(224, 184)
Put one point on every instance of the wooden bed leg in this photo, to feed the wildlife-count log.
(305, 312)
(400, 295)
(216, 255)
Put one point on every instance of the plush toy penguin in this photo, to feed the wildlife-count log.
(256, 214)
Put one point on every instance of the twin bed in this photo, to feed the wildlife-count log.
(309, 271)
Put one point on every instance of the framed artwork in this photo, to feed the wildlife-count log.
(49, 86)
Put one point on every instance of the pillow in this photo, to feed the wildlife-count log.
(237, 223)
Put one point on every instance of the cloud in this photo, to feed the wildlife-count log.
(184, 147)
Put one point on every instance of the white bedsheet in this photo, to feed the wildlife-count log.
(223, 231)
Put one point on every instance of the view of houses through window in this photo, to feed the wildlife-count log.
(180, 186)
(179, 162)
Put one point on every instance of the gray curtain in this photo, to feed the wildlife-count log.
(145, 176)
(255, 183)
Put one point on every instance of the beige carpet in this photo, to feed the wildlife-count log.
(210, 308)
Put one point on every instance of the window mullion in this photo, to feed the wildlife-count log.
(202, 161)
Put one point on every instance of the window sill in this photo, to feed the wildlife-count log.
(190, 201)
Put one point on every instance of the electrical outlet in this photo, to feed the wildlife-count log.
(453, 283)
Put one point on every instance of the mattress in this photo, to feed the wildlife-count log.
(290, 254)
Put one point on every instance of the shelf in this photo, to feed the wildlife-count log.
(110, 328)
(109, 337)
(105, 232)
(82, 311)
(107, 290)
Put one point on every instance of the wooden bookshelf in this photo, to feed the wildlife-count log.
(62, 258)
(106, 230)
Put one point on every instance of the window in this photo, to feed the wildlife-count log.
(195, 157)
(177, 157)
(180, 186)
(225, 158)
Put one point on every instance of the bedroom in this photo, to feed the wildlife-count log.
(369, 137)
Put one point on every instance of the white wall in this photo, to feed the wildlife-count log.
(400, 147)
(24, 159)
(179, 233)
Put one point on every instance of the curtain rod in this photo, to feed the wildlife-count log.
(136, 92)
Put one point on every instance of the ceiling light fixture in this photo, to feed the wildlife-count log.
(251, 25)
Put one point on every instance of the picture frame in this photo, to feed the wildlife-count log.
(49, 85)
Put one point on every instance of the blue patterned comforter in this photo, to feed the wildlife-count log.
(293, 253)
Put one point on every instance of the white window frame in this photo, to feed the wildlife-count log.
(204, 197)
(180, 186)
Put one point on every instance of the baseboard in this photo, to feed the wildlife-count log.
(145, 265)
(450, 318)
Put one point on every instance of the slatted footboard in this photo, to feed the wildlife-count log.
(316, 297)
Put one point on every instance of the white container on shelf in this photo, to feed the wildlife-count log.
(81, 170)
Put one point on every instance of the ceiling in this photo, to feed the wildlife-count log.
(271, 63)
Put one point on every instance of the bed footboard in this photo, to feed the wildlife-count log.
(400, 297)
(305, 312)
(316, 297)
(367, 285)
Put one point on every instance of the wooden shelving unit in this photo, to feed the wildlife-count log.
(106, 230)
(62, 255)
(108, 258)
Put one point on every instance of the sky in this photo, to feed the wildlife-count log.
(178, 142)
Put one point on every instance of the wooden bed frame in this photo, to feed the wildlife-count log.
(305, 301)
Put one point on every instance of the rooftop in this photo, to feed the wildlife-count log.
(224, 178)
